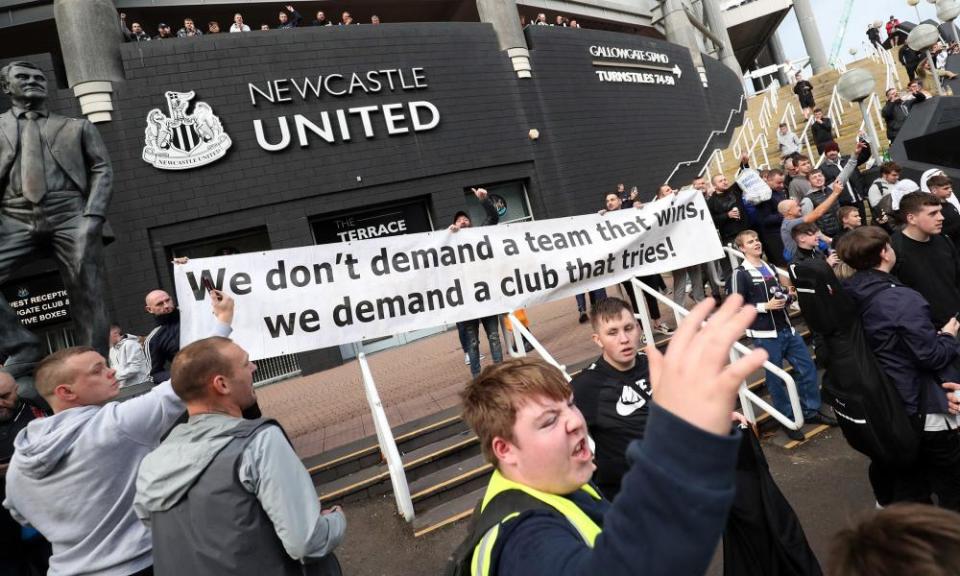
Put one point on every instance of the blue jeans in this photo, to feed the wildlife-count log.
(464, 339)
(471, 328)
(792, 348)
(596, 296)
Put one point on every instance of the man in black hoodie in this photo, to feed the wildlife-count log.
(917, 357)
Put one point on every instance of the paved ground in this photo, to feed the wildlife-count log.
(824, 480)
(329, 409)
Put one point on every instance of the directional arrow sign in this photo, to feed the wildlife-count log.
(675, 70)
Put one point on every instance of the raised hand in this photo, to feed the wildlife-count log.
(693, 379)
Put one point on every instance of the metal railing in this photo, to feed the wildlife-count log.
(270, 370)
(744, 138)
(835, 111)
(760, 140)
(771, 105)
(748, 398)
(717, 157)
(388, 445)
(874, 108)
(521, 334)
(892, 75)
(710, 137)
(789, 117)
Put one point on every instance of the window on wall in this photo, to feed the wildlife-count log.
(509, 198)
(254, 240)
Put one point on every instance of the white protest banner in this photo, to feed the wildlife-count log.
(300, 299)
(755, 189)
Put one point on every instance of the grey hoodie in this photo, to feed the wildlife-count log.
(73, 476)
(269, 469)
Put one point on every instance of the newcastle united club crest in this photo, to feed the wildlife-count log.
(182, 141)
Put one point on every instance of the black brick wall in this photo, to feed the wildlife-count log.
(592, 134)
(595, 134)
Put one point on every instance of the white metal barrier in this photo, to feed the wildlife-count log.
(835, 111)
(760, 140)
(706, 145)
(874, 109)
(748, 398)
(744, 138)
(521, 334)
(388, 446)
(716, 157)
(789, 117)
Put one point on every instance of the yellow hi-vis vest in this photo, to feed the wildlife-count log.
(587, 528)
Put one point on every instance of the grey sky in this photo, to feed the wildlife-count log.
(864, 12)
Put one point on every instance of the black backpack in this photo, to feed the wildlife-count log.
(869, 408)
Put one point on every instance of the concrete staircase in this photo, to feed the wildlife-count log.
(848, 123)
(445, 470)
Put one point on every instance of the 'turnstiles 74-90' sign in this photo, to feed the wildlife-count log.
(634, 66)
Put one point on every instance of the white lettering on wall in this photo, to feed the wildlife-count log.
(420, 116)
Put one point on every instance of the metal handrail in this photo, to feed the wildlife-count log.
(521, 334)
(706, 144)
(873, 104)
(789, 117)
(835, 111)
(805, 139)
(388, 445)
(715, 156)
(746, 395)
(745, 136)
(760, 139)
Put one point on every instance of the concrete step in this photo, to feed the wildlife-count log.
(447, 513)
(365, 452)
(375, 480)
(449, 477)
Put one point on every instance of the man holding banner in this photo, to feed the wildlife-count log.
(300, 299)
(470, 329)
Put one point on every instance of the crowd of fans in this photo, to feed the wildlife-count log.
(287, 18)
(190, 479)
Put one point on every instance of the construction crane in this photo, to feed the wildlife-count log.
(838, 40)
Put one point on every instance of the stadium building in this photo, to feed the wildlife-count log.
(244, 142)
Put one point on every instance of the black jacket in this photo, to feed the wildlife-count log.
(757, 291)
(895, 113)
(615, 405)
(909, 58)
(951, 221)
(719, 204)
(831, 171)
(163, 344)
(822, 132)
(896, 321)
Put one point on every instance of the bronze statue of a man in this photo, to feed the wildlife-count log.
(55, 184)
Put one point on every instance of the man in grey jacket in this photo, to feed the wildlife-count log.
(127, 358)
(71, 476)
(226, 495)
